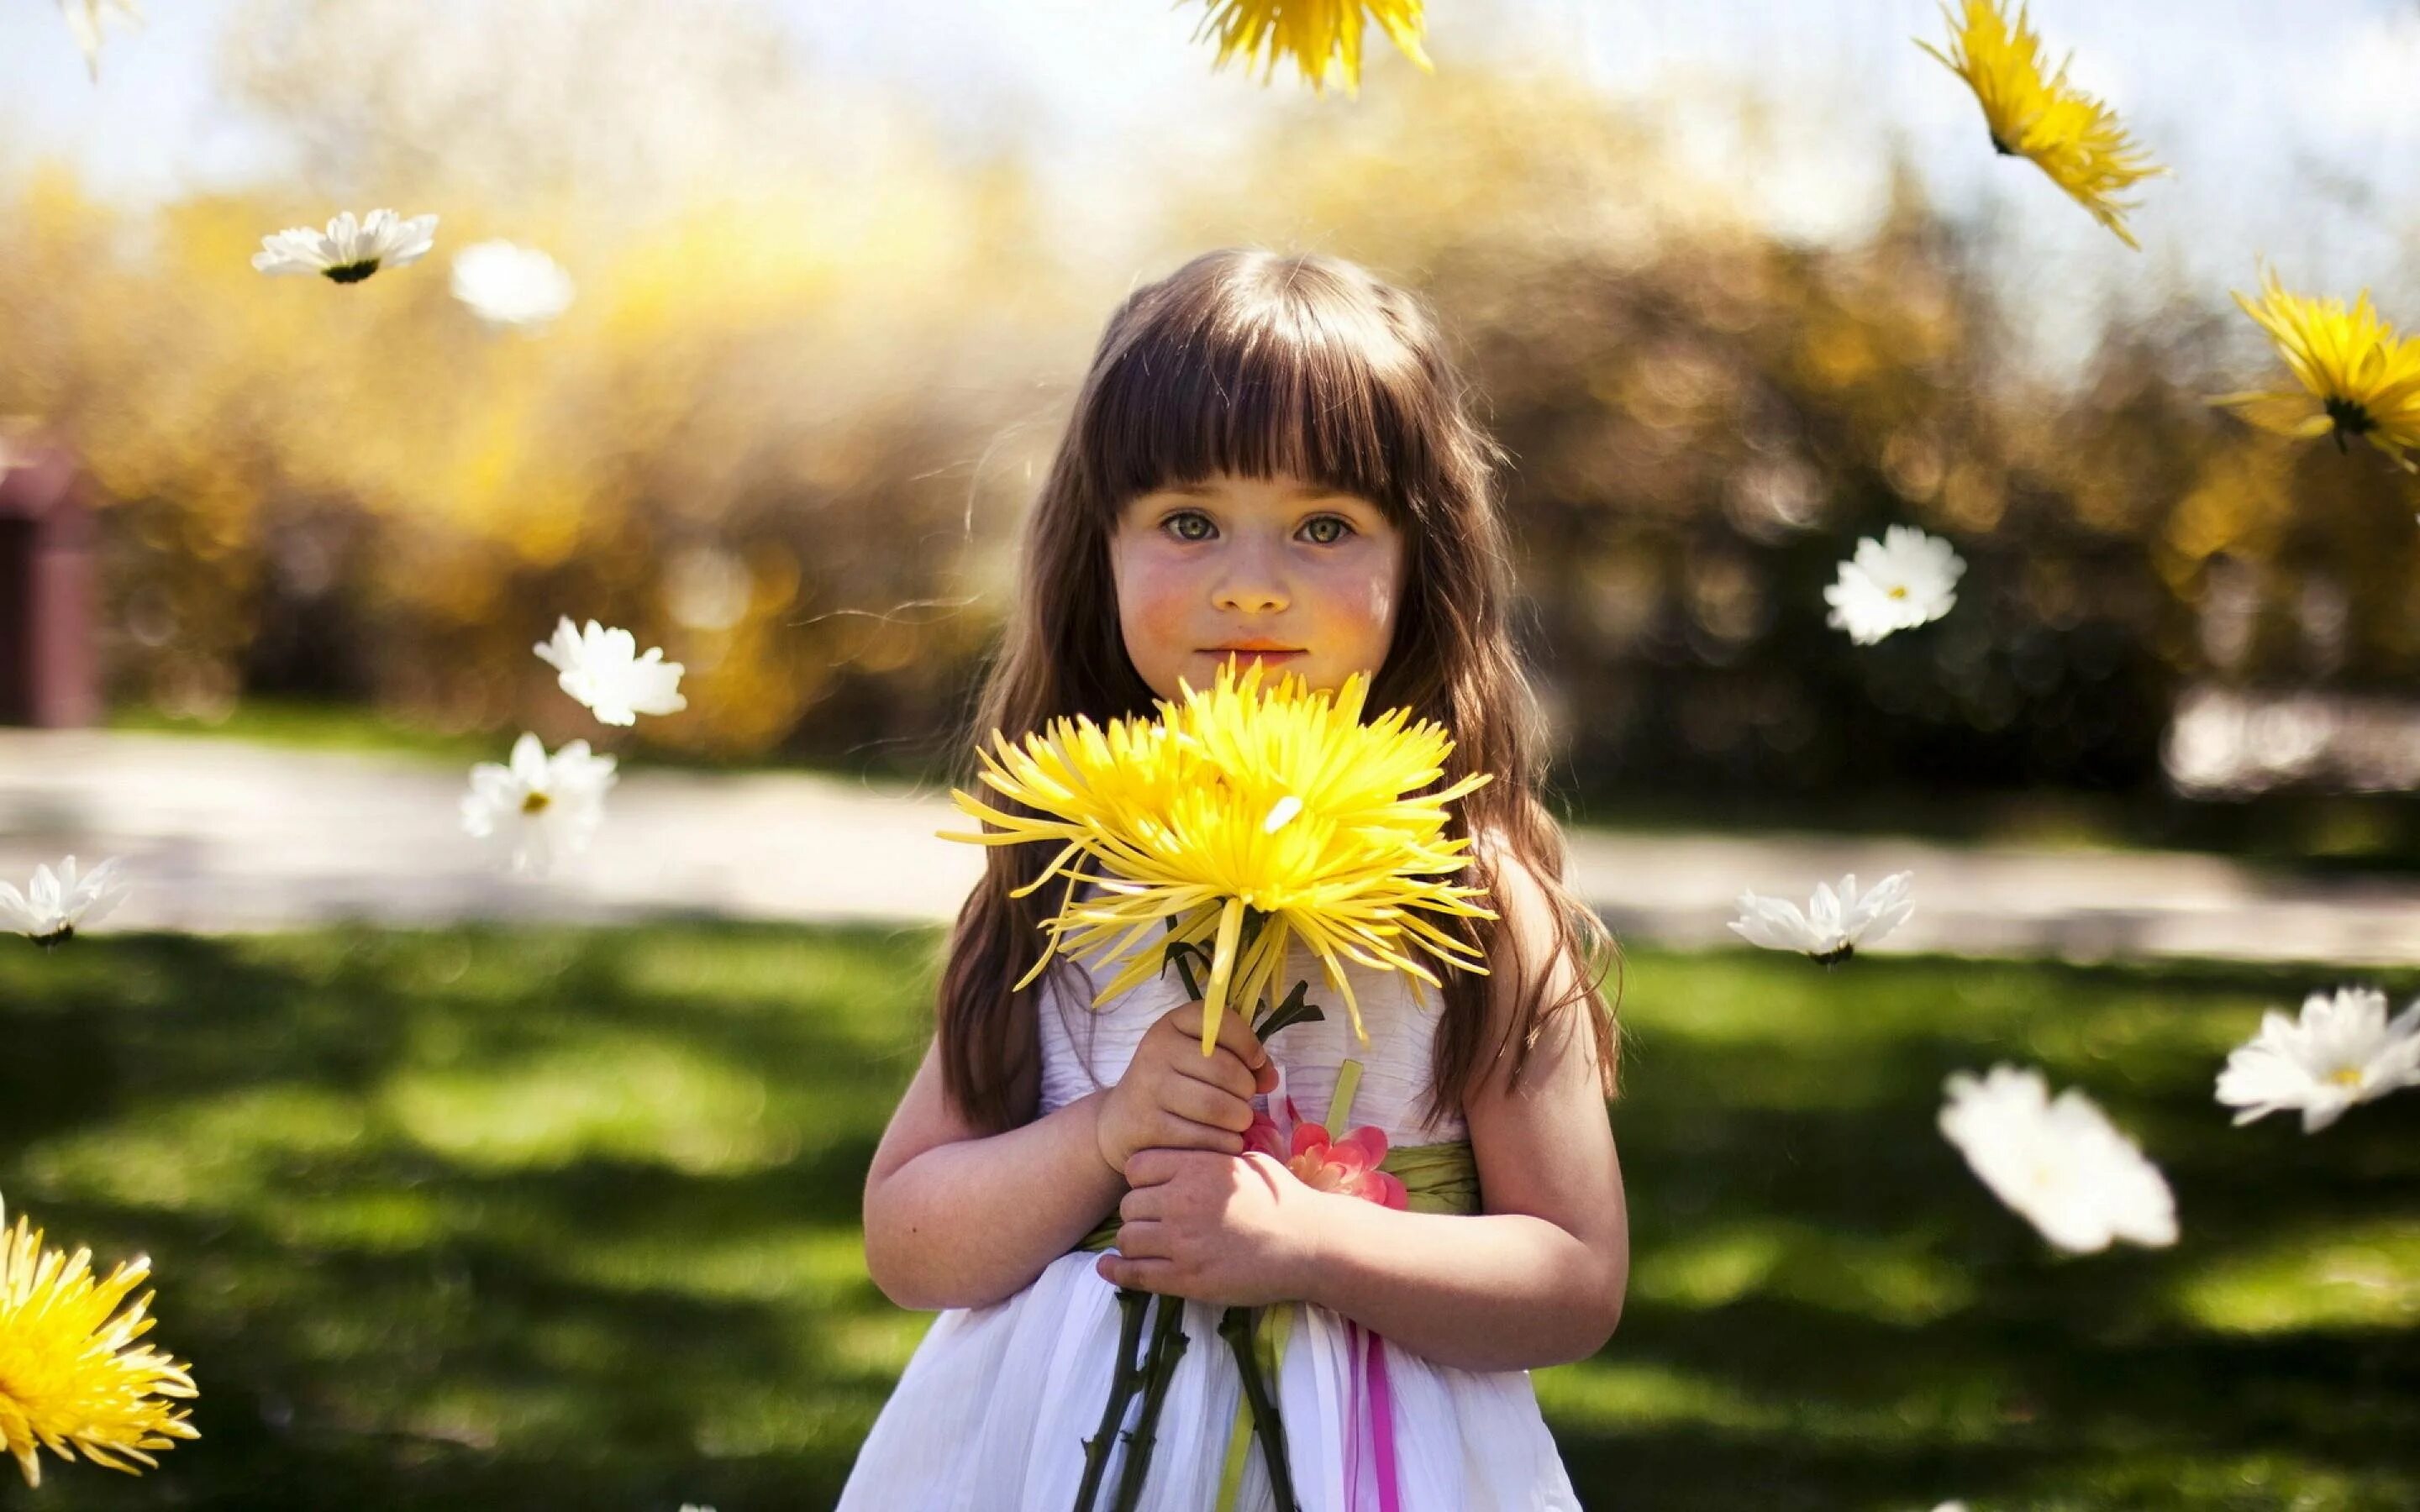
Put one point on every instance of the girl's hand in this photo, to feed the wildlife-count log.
(1236, 1230)
(1175, 1097)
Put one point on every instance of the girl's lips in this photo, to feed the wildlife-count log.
(1253, 655)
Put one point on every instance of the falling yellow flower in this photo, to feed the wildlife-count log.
(1322, 36)
(2358, 376)
(71, 1378)
(1279, 809)
(2072, 136)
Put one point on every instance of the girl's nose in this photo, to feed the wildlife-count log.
(1251, 598)
(1251, 584)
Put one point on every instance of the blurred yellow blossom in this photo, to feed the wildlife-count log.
(1322, 36)
(2072, 136)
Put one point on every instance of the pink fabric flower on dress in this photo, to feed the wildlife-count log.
(1349, 1166)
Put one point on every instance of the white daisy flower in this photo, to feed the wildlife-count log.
(1834, 923)
(541, 807)
(2343, 1051)
(55, 903)
(511, 285)
(2059, 1165)
(1904, 580)
(603, 670)
(84, 21)
(349, 251)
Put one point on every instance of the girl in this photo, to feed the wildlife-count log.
(1269, 459)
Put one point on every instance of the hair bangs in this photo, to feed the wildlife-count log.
(1292, 381)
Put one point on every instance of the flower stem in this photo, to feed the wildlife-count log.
(1168, 1343)
(1236, 1327)
(1288, 1013)
(1122, 1389)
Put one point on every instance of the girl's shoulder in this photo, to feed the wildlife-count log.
(1518, 892)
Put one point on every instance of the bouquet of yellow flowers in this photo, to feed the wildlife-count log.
(1236, 822)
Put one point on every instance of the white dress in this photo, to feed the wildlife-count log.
(993, 1411)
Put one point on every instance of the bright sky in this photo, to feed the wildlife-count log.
(2293, 124)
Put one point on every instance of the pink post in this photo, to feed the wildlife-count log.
(48, 672)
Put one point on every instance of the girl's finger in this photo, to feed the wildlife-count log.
(1202, 1103)
(1144, 1239)
(1223, 1068)
(1235, 1033)
(1177, 1133)
(1142, 1204)
(1141, 1275)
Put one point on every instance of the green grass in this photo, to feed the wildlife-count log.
(568, 1219)
(304, 724)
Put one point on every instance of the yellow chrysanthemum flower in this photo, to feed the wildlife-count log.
(2072, 136)
(1279, 807)
(2358, 376)
(1322, 36)
(71, 1378)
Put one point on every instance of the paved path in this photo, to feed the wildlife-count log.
(221, 835)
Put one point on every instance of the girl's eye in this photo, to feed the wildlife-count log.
(1189, 526)
(1328, 530)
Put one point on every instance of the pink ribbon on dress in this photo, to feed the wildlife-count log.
(1370, 1419)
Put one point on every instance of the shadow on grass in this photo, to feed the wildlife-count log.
(570, 1219)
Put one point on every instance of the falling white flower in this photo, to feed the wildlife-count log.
(1834, 923)
(2343, 1051)
(349, 252)
(542, 808)
(55, 903)
(2060, 1165)
(506, 285)
(84, 21)
(603, 670)
(1904, 580)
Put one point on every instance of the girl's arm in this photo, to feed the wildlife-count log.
(956, 1217)
(1536, 1280)
(1539, 1278)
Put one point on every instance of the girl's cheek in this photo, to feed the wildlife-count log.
(1154, 604)
(1359, 600)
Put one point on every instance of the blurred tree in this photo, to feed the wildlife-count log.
(787, 426)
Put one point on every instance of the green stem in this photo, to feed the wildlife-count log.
(1285, 1015)
(1122, 1389)
(1183, 959)
(1236, 1327)
(1168, 1343)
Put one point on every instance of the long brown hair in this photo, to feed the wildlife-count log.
(1253, 365)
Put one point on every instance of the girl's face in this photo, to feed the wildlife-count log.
(1269, 569)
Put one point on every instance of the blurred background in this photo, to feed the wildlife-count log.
(1740, 281)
